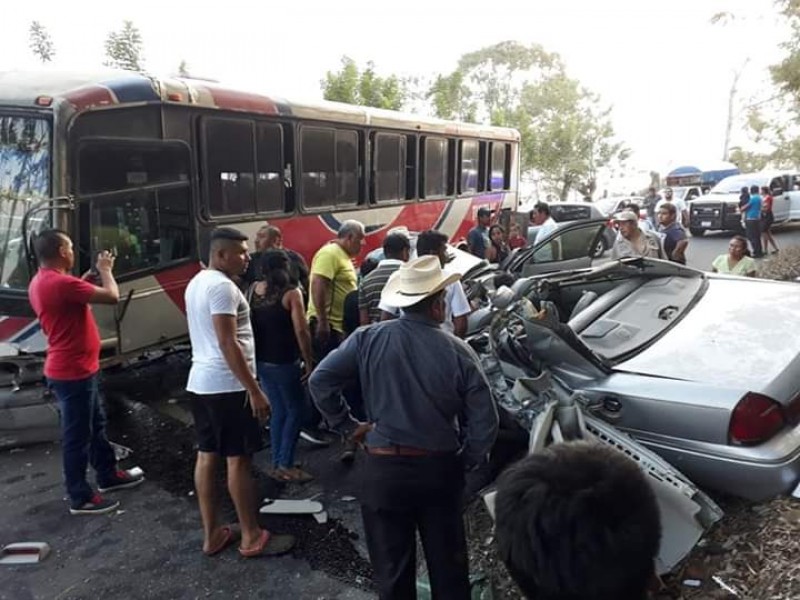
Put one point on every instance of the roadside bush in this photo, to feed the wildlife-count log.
(784, 266)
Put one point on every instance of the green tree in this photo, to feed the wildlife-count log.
(124, 48)
(364, 87)
(748, 161)
(567, 135)
(40, 42)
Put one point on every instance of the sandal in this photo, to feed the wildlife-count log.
(299, 475)
(229, 535)
(269, 544)
(280, 474)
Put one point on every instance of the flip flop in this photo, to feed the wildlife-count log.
(230, 535)
(269, 544)
(279, 474)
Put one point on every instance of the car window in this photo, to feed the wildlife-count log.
(573, 244)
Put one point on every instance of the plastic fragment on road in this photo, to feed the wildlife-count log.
(348, 498)
(479, 588)
(24, 553)
(321, 517)
(724, 586)
(273, 506)
(695, 583)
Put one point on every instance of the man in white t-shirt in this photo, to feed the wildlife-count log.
(680, 207)
(540, 217)
(457, 306)
(226, 401)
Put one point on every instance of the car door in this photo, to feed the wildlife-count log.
(780, 199)
(571, 246)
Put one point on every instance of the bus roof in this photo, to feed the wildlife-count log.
(85, 91)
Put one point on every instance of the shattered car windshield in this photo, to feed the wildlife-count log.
(25, 153)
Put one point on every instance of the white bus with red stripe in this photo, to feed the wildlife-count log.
(148, 167)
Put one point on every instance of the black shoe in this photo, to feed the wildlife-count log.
(313, 437)
(348, 454)
(96, 506)
(120, 481)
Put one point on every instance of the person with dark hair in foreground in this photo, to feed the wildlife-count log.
(61, 303)
(430, 414)
(578, 521)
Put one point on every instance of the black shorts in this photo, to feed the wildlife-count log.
(225, 425)
(767, 219)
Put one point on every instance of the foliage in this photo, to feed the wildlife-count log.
(124, 48)
(364, 87)
(567, 135)
(748, 161)
(40, 42)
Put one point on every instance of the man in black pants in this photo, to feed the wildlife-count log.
(430, 416)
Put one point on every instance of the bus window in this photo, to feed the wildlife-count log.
(230, 166)
(411, 166)
(111, 165)
(469, 159)
(329, 165)
(269, 157)
(389, 158)
(435, 159)
(498, 179)
(145, 229)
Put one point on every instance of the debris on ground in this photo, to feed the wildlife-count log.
(783, 266)
(751, 553)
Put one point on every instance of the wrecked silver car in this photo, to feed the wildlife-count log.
(700, 368)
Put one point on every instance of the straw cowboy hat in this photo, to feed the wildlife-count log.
(415, 280)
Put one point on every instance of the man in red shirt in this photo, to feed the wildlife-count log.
(61, 303)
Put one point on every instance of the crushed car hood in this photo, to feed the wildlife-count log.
(758, 318)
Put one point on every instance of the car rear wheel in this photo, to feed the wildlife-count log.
(696, 232)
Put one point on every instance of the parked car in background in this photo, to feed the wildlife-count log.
(614, 204)
(569, 212)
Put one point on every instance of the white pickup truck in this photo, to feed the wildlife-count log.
(719, 209)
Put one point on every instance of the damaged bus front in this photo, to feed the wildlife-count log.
(26, 174)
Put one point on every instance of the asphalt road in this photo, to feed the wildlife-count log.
(703, 250)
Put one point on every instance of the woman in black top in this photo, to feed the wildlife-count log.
(282, 338)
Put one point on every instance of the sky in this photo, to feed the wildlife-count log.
(665, 69)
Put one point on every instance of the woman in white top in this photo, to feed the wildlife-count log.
(737, 261)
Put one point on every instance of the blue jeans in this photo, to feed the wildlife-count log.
(285, 392)
(84, 441)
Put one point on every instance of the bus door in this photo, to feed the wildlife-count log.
(136, 203)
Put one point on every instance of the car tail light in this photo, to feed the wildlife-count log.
(755, 419)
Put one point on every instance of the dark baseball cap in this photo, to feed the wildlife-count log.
(485, 212)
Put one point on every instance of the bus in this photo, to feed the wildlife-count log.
(147, 167)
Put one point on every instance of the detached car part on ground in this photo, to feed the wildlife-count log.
(703, 369)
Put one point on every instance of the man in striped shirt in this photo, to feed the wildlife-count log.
(396, 249)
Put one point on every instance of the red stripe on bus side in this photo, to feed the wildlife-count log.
(91, 95)
(234, 100)
(174, 282)
(11, 326)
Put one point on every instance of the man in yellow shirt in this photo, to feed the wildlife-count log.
(332, 278)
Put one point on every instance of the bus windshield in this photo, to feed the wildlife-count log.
(25, 153)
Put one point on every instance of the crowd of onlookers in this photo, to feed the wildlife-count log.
(379, 353)
(656, 228)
